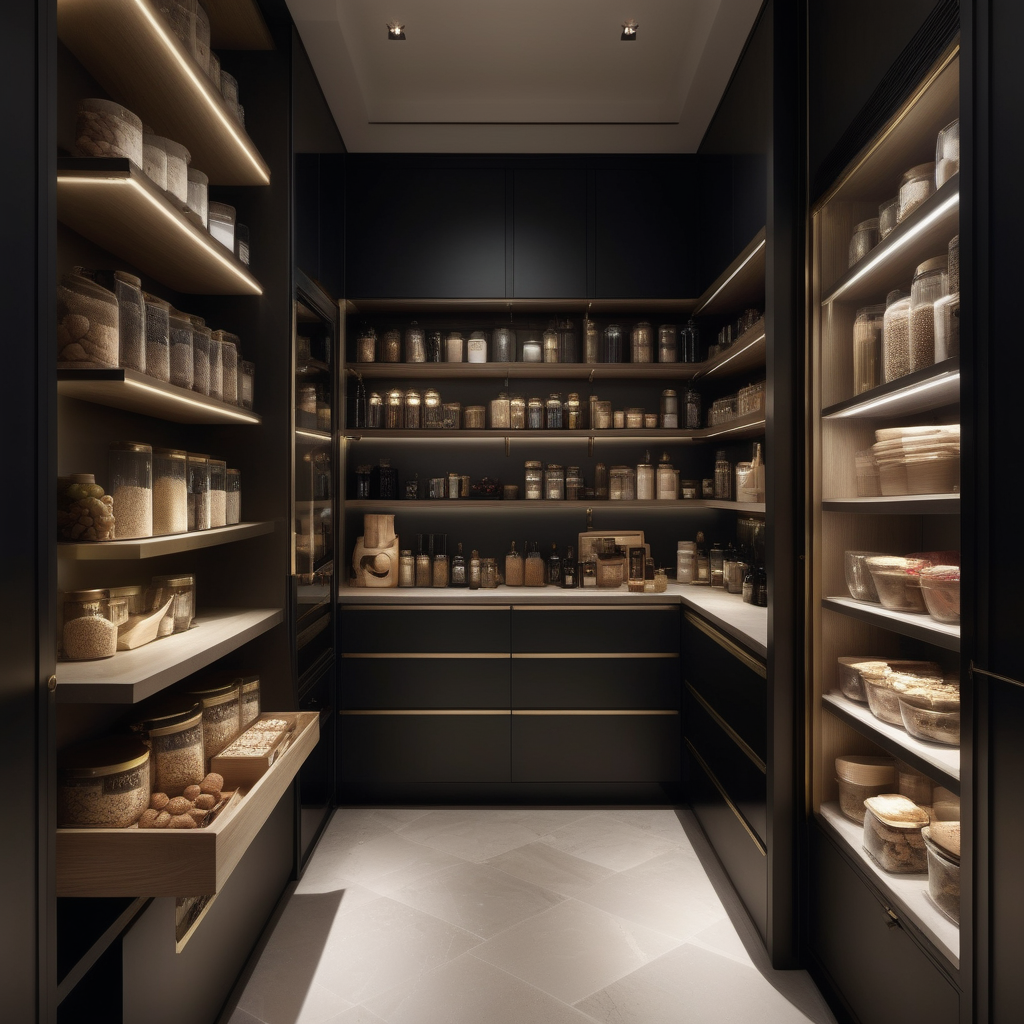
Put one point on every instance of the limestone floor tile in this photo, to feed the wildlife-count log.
(351, 825)
(356, 1015)
(690, 985)
(475, 834)
(379, 946)
(723, 938)
(479, 898)
(469, 991)
(549, 868)
(573, 950)
(277, 994)
(669, 893)
(240, 1016)
(607, 840)
(662, 822)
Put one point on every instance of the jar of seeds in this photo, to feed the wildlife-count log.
(131, 486)
(175, 740)
(218, 493)
(896, 336)
(181, 334)
(102, 783)
(221, 716)
(86, 630)
(928, 288)
(233, 497)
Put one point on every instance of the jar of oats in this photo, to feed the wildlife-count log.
(103, 783)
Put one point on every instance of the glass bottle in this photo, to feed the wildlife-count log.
(569, 570)
(723, 476)
(591, 342)
(573, 412)
(459, 568)
(375, 411)
(750, 585)
(440, 565)
(568, 342)
(423, 573)
(645, 479)
(600, 482)
(413, 410)
(387, 481)
(517, 412)
(668, 344)
(716, 564)
(434, 347)
(701, 564)
(689, 343)
(488, 574)
(867, 348)
(366, 346)
(731, 571)
(554, 567)
(534, 569)
(553, 412)
(586, 571)
(513, 568)
(474, 570)
(363, 481)
(534, 489)
(668, 480)
(406, 568)
(433, 414)
(613, 343)
(415, 344)
(574, 489)
(394, 410)
(691, 409)
(552, 345)
(641, 339)
(686, 554)
(391, 345)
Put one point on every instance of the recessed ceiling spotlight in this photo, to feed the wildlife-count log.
(395, 31)
(629, 27)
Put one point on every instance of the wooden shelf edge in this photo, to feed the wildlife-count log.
(750, 258)
(153, 547)
(195, 862)
(918, 627)
(522, 505)
(931, 388)
(910, 504)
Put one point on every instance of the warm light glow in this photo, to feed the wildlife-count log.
(202, 84)
(319, 436)
(732, 275)
(184, 399)
(738, 352)
(733, 430)
(896, 397)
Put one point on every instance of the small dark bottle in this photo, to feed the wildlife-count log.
(762, 587)
(750, 585)
(554, 567)
(458, 571)
(569, 571)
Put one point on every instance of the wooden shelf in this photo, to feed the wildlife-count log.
(237, 25)
(740, 286)
(185, 862)
(311, 436)
(521, 505)
(129, 48)
(525, 371)
(112, 203)
(138, 392)
(567, 306)
(934, 387)
(919, 627)
(153, 547)
(908, 894)
(131, 676)
(746, 353)
(940, 763)
(909, 504)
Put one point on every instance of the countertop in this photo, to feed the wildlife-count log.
(745, 623)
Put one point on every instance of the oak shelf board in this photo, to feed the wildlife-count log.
(131, 676)
(137, 392)
(741, 285)
(153, 547)
(180, 862)
(939, 762)
(494, 506)
(112, 203)
(525, 371)
(934, 387)
(748, 352)
(904, 504)
(919, 627)
(128, 47)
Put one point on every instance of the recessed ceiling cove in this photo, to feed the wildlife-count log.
(523, 75)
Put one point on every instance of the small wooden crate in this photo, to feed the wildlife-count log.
(245, 771)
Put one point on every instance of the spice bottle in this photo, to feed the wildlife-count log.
(415, 344)
(514, 568)
(668, 344)
(423, 567)
(591, 342)
(723, 476)
(645, 479)
(600, 482)
(641, 339)
(569, 570)
(552, 345)
(474, 570)
(459, 578)
(534, 569)
(406, 568)
(691, 409)
(440, 568)
(554, 567)
(716, 564)
(613, 343)
(701, 564)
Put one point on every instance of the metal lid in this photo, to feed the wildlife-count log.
(174, 721)
(82, 478)
(131, 590)
(131, 446)
(158, 303)
(170, 453)
(932, 265)
(233, 472)
(86, 595)
(554, 467)
(197, 457)
(218, 462)
(103, 756)
(668, 393)
(532, 464)
(211, 696)
(250, 683)
(183, 580)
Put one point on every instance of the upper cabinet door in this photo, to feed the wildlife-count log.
(648, 236)
(425, 232)
(549, 233)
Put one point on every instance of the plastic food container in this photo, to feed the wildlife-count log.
(896, 337)
(918, 682)
(170, 492)
(888, 216)
(229, 347)
(191, 24)
(87, 323)
(87, 630)
(851, 682)
(222, 224)
(924, 473)
(198, 491)
(858, 577)
(926, 724)
(882, 699)
(945, 805)
(868, 482)
(131, 321)
(221, 706)
(198, 199)
(916, 186)
(218, 493)
(181, 335)
(897, 582)
(104, 128)
(928, 287)
(940, 587)
(175, 163)
(867, 349)
(175, 738)
(942, 842)
(892, 833)
(131, 486)
(947, 153)
(249, 701)
(242, 243)
(180, 590)
(865, 238)
(216, 370)
(914, 785)
(103, 783)
(861, 777)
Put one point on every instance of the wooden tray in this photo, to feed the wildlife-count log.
(167, 862)
(245, 771)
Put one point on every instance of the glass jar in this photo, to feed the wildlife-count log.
(573, 418)
(87, 323)
(535, 568)
(947, 153)
(896, 337)
(568, 342)
(501, 412)
(105, 128)
(865, 238)
(601, 418)
(476, 347)
(198, 468)
(474, 417)
(415, 344)
(888, 216)
(574, 489)
(305, 403)
(454, 486)
(591, 342)
(439, 562)
(453, 347)
(488, 574)
(517, 412)
(433, 417)
(534, 487)
(613, 343)
(233, 497)
(689, 343)
(645, 479)
(535, 414)
(514, 568)
(916, 186)
(641, 340)
(553, 412)
(221, 219)
(222, 717)
(387, 480)
(86, 629)
(176, 749)
(650, 420)
(170, 344)
(375, 411)
(554, 482)
(458, 569)
(413, 410)
(611, 564)
(249, 697)
(716, 565)
(216, 370)
(533, 351)
(394, 410)
(102, 783)
(689, 489)
(634, 419)
(229, 348)
(131, 321)
(551, 345)
(391, 346)
(600, 482)
(180, 590)
(218, 493)
(200, 354)
(366, 346)
(406, 568)
(723, 476)
(131, 486)
(621, 484)
(246, 382)
(928, 287)
(424, 573)
(451, 415)
(504, 342)
(170, 492)
(198, 201)
(435, 347)
(686, 554)
(947, 327)
(668, 480)
(669, 416)
(668, 343)
(474, 570)
(867, 348)
(363, 481)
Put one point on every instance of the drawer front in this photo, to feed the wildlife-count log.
(881, 972)
(425, 682)
(421, 747)
(425, 629)
(603, 681)
(742, 856)
(619, 628)
(567, 747)
(731, 680)
(744, 780)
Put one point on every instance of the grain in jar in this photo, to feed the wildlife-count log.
(218, 493)
(591, 342)
(233, 497)
(501, 412)
(415, 344)
(514, 573)
(170, 492)
(928, 287)
(551, 345)
(178, 159)
(229, 347)
(131, 321)
(867, 348)
(391, 345)
(517, 412)
(201, 335)
(216, 370)
(198, 200)
(554, 482)
(534, 567)
(668, 343)
(87, 323)
(131, 486)
(175, 740)
(865, 237)
(947, 153)
(896, 337)
(641, 339)
(366, 346)
(534, 485)
(249, 701)
(198, 469)
(504, 341)
(916, 186)
(104, 128)
(221, 706)
(181, 359)
(102, 783)
(888, 216)
(86, 630)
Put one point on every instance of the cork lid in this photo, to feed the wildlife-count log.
(897, 810)
(946, 836)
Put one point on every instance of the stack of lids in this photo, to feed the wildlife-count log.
(946, 836)
(897, 811)
(901, 445)
(865, 769)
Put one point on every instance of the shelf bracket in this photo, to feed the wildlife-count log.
(590, 447)
(508, 446)
(590, 379)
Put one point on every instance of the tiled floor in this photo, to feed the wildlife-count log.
(516, 916)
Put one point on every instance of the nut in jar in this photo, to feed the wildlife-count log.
(84, 512)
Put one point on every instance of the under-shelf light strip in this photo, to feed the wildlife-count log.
(173, 46)
(321, 437)
(898, 396)
(171, 217)
(242, 417)
(732, 275)
(718, 366)
(733, 430)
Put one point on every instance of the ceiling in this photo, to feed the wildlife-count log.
(523, 76)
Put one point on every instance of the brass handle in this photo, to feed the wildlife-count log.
(426, 654)
(723, 641)
(428, 711)
(589, 711)
(540, 655)
(728, 729)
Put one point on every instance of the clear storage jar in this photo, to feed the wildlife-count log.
(867, 348)
(888, 216)
(896, 339)
(229, 348)
(947, 153)
(621, 484)
(865, 237)
(170, 492)
(391, 345)
(916, 186)
(574, 489)
(942, 843)
(198, 467)
(218, 493)
(568, 342)
(216, 370)
(531, 349)
(222, 717)
(222, 224)
(433, 414)
(131, 321)
(553, 412)
(242, 243)
(689, 343)
(668, 480)
(181, 341)
(102, 783)
(723, 477)
(517, 412)
(87, 323)
(131, 486)
(366, 346)
(176, 748)
(612, 343)
(554, 482)
(591, 342)
(246, 382)
(476, 347)
(180, 590)
(105, 128)
(86, 627)
(413, 409)
(375, 411)
(641, 342)
(668, 343)
(895, 844)
(501, 412)
(514, 576)
(691, 409)
(394, 410)
(198, 200)
(503, 342)
(534, 483)
(645, 474)
(453, 347)
(249, 701)
(668, 417)
(233, 497)
(551, 345)
(474, 417)
(415, 344)
(929, 286)
(200, 355)
(535, 414)
(228, 86)
(177, 160)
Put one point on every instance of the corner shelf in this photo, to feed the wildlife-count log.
(131, 676)
(153, 547)
(128, 47)
(909, 504)
(112, 203)
(747, 352)
(741, 284)
(185, 862)
(938, 762)
(493, 506)
(138, 392)
(934, 387)
(908, 893)
(918, 627)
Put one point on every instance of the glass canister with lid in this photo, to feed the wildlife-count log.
(867, 348)
(669, 414)
(896, 336)
(947, 308)
(613, 343)
(916, 186)
(131, 321)
(413, 409)
(222, 718)
(375, 411)
(200, 354)
(233, 497)
(553, 412)
(249, 699)
(947, 153)
(221, 220)
(178, 353)
(503, 341)
(415, 344)
(170, 492)
(531, 350)
(105, 128)
(929, 286)
(366, 346)
(216, 369)
(391, 345)
(645, 479)
(534, 484)
(550, 344)
(689, 343)
(102, 783)
(87, 630)
(87, 323)
(174, 733)
(517, 412)
(433, 413)
(574, 489)
(621, 483)
(641, 339)
(668, 343)
(591, 342)
(198, 469)
(864, 239)
(554, 482)
(535, 414)
(888, 216)
(573, 413)
(476, 347)
(131, 486)
(180, 590)
(394, 409)
(568, 342)
(229, 346)
(218, 493)
(668, 480)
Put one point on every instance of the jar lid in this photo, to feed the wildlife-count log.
(103, 756)
(225, 336)
(865, 769)
(945, 835)
(668, 393)
(126, 278)
(896, 810)
(667, 327)
(184, 580)
(170, 453)
(532, 464)
(218, 462)
(221, 211)
(920, 171)
(131, 446)
(197, 457)
(877, 310)
(211, 696)
(132, 590)
(932, 265)
(82, 478)
(233, 472)
(197, 177)
(871, 224)
(249, 683)
(86, 595)
(183, 717)
(554, 467)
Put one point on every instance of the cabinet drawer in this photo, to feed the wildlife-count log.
(742, 855)
(383, 748)
(729, 678)
(881, 972)
(602, 681)
(425, 682)
(596, 747)
(743, 779)
(618, 628)
(416, 629)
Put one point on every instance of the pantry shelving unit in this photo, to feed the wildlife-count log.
(153, 547)
(486, 507)
(840, 424)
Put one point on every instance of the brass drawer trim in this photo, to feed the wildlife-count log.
(416, 606)
(540, 655)
(723, 641)
(428, 711)
(728, 730)
(592, 607)
(493, 655)
(588, 711)
(754, 837)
